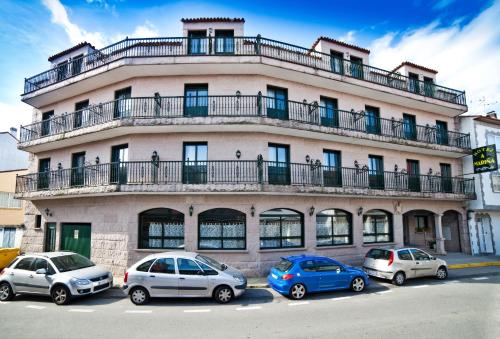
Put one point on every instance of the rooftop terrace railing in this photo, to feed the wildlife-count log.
(239, 172)
(240, 106)
(239, 46)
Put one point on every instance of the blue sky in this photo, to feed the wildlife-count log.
(461, 39)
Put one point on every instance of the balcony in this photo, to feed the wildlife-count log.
(246, 176)
(241, 46)
(258, 109)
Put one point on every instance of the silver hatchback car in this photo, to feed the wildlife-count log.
(182, 274)
(61, 275)
(399, 264)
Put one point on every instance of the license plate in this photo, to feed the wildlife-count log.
(102, 282)
(274, 276)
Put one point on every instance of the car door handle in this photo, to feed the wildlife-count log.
(11, 273)
(151, 276)
(417, 263)
(181, 278)
(31, 275)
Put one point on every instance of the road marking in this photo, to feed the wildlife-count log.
(139, 311)
(81, 310)
(249, 308)
(300, 303)
(197, 311)
(383, 292)
(480, 278)
(341, 298)
(420, 286)
(35, 307)
(452, 282)
(4, 302)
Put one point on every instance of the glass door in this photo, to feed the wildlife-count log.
(196, 100)
(329, 112)
(195, 163)
(224, 41)
(43, 174)
(357, 67)
(47, 123)
(446, 179)
(279, 165)
(50, 237)
(413, 83)
(337, 62)
(81, 115)
(376, 172)
(372, 120)
(119, 158)
(197, 42)
(123, 103)
(413, 169)
(332, 168)
(441, 132)
(429, 87)
(78, 169)
(409, 127)
(277, 103)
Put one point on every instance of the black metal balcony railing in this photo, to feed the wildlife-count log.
(239, 172)
(240, 106)
(240, 46)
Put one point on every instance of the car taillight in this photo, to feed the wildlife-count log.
(287, 276)
(126, 277)
(391, 258)
(3, 270)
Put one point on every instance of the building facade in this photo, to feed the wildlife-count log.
(483, 215)
(244, 148)
(13, 162)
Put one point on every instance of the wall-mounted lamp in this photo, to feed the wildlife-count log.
(191, 209)
(252, 210)
(154, 156)
(308, 158)
(360, 211)
(238, 154)
(304, 102)
(356, 164)
(48, 212)
(396, 167)
(97, 160)
(430, 171)
(238, 94)
(311, 211)
(59, 166)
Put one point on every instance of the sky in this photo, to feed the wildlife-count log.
(459, 38)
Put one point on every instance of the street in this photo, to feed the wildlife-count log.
(464, 306)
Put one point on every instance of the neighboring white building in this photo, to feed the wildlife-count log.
(484, 212)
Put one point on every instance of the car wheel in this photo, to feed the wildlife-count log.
(6, 292)
(399, 279)
(442, 273)
(298, 291)
(60, 295)
(358, 284)
(139, 296)
(223, 294)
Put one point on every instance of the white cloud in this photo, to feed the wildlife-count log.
(442, 4)
(147, 30)
(348, 37)
(466, 57)
(14, 115)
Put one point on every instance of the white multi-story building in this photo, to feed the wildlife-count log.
(484, 212)
(245, 148)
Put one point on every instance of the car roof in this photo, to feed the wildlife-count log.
(298, 258)
(47, 254)
(172, 254)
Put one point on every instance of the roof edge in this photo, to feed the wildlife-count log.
(341, 43)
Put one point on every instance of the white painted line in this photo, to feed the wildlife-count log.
(139, 311)
(341, 298)
(249, 308)
(452, 282)
(197, 311)
(299, 303)
(4, 302)
(81, 310)
(420, 286)
(383, 292)
(480, 278)
(35, 307)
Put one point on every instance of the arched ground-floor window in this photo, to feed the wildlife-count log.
(333, 227)
(222, 228)
(161, 228)
(281, 228)
(377, 227)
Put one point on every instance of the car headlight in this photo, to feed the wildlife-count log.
(239, 278)
(110, 275)
(76, 281)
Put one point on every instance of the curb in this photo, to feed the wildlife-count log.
(474, 264)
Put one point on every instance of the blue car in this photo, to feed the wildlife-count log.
(296, 276)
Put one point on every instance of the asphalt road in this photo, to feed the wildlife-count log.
(464, 306)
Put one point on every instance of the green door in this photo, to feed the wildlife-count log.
(76, 238)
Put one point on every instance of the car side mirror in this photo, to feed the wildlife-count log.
(339, 269)
(41, 271)
(433, 258)
(200, 272)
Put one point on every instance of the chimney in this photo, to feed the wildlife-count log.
(13, 131)
(492, 114)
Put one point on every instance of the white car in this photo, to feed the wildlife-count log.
(403, 263)
(182, 274)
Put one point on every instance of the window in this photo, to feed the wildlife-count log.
(377, 253)
(372, 119)
(47, 124)
(207, 269)
(429, 86)
(332, 168)
(222, 228)
(281, 228)
(308, 266)
(413, 83)
(326, 266)
(337, 62)
(284, 265)
(409, 126)
(119, 158)
(163, 265)
(377, 227)
(50, 237)
(161, 228)
(446, 179)
(188, 267)
(25, 264)
(356, 67)
(42, 263)
(7, 200)
(196, 100)
(277, 103)
(376, 172)
(328, 111)
(224, 41)
(144, 267)
(404, 255)
(78, 169)
(333, 227)
(38, 221)
(76, 64)
(419, 255)
(413, 170)
(279, 164)
(441, 132)
(9, 237)
(195, 163)
(62, 70)
(421, 224)
(123, 103)
(197, 42)
(81, 116)
(43, 181)
(495, 178)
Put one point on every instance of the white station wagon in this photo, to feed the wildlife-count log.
(182, 274)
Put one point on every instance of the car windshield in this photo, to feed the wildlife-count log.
(284, 265)
(211, 262)
(71, 262)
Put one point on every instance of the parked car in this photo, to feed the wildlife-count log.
(403, 263)
(61, 275)
(182, 274)
(296, 276)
